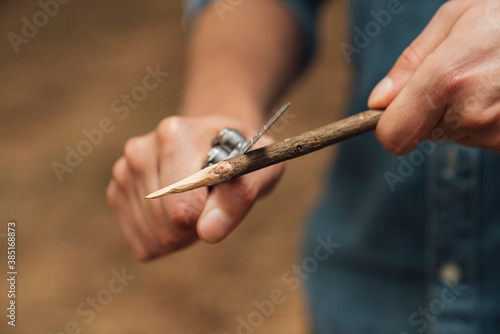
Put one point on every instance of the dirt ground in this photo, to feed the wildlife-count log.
(63, 80)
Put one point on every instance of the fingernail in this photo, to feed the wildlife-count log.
(215, 225)
(380, 91)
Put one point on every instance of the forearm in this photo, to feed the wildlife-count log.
(239, 65)
(236, 68)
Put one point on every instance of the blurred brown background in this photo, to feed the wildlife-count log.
(62, 81)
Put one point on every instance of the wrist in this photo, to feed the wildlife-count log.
(227, 103)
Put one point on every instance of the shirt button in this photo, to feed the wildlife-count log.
(450, 272)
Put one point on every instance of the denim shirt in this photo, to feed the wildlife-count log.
(415, 238)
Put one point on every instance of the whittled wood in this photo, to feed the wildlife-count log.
(287, 149)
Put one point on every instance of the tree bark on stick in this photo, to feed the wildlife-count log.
(287, 149)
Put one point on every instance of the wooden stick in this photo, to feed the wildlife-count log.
(275, 153)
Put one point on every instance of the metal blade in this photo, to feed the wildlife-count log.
(270, 123)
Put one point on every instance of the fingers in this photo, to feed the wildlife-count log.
(413, 56)
(115, 199)
(411, 116)
(138, 236)
(142, 163)
(141, 157)
(228, 203)
(424, 84)
(176, 149)
(144, 224)
(181, 154)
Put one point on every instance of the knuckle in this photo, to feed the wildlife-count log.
(410, 57)
(167, 128)
(478, 120)
(453, 83)
(112, 196)
(469, 109)
(445, 88)
(448, 10)
(134, 154)
(119, 173)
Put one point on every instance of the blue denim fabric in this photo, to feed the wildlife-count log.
(419, 235)
(416, 255)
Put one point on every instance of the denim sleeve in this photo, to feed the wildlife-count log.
(304, 11)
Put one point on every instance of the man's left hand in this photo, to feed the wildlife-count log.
(446, 84)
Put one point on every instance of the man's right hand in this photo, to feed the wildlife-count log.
(177, 148)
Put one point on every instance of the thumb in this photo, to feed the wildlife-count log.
(414, 55)
(228, 203)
